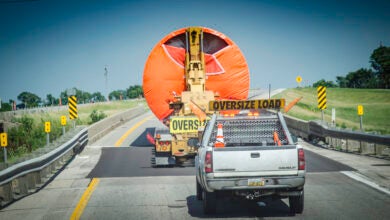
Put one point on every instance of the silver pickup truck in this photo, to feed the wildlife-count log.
(249, 156)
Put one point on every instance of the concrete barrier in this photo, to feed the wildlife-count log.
(101, 128)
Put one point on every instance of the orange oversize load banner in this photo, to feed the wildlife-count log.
(164, 76)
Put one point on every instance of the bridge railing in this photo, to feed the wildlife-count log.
(339, 139)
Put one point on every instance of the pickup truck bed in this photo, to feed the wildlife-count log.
(252, 164)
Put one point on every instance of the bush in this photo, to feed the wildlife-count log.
(97, 116)
(29, 134)
(25, 137)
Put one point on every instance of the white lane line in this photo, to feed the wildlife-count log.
(358, 177)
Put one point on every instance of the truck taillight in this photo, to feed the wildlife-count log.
(164, 143)
(208, 162)
(301, 159)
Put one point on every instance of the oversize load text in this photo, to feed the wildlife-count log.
(185, 125)
(246, 104)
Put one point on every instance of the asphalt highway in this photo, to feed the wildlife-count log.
(118, 182)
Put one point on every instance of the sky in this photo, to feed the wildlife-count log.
(48, 46)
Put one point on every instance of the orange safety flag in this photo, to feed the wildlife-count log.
(219, 140)
(292, 104)
(276, 139)
(227, 72)
(150, 138)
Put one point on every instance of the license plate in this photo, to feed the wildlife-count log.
(256, 182)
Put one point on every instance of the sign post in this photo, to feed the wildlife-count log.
(334, 117)
(360, 112)
(321, 93)
(269, 91)
(47, 130)
(4, 143)
(299, 80)
(63, 123)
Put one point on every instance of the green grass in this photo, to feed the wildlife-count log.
(376, 103)
(27, 135)
(108, 108)
(84, 111)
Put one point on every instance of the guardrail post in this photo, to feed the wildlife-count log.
(37, 178)
(19, 186)
(31, 181)
(383, 150)
(6, 194)
(53, 167)
(44, 173)
(339, 144)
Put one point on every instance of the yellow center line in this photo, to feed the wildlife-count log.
(78, 211)
(124, 136)
(84, 199)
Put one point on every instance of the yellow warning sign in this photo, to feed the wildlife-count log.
(47, 127)
(321, 92)
(185, 124)
(298, 79)
(72, 104)
(222, 105)
(63, 120)
(360, 110)
(4, 139)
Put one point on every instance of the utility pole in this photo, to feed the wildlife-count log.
(269, 91)
(106, 81)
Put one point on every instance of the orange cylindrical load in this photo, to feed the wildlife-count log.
(164, 75)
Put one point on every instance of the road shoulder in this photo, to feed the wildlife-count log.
(371, 169)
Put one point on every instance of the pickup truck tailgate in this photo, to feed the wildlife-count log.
(255, 161)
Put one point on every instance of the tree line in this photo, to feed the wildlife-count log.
(377, 77)
(31, 100)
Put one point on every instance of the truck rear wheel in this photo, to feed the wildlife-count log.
(296, 203)
(198, 190)
(209, 202)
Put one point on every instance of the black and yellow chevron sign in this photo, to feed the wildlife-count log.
(321, 92)
(72, 104)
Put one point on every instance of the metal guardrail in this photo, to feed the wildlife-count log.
(344, 140)
(323, 131)
(39, 163)
(27, 177)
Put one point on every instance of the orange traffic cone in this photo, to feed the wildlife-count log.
(219, 142)
(276, 139)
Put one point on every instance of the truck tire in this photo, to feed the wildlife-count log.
(296, 203)
(198, 190)
(209, 202)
